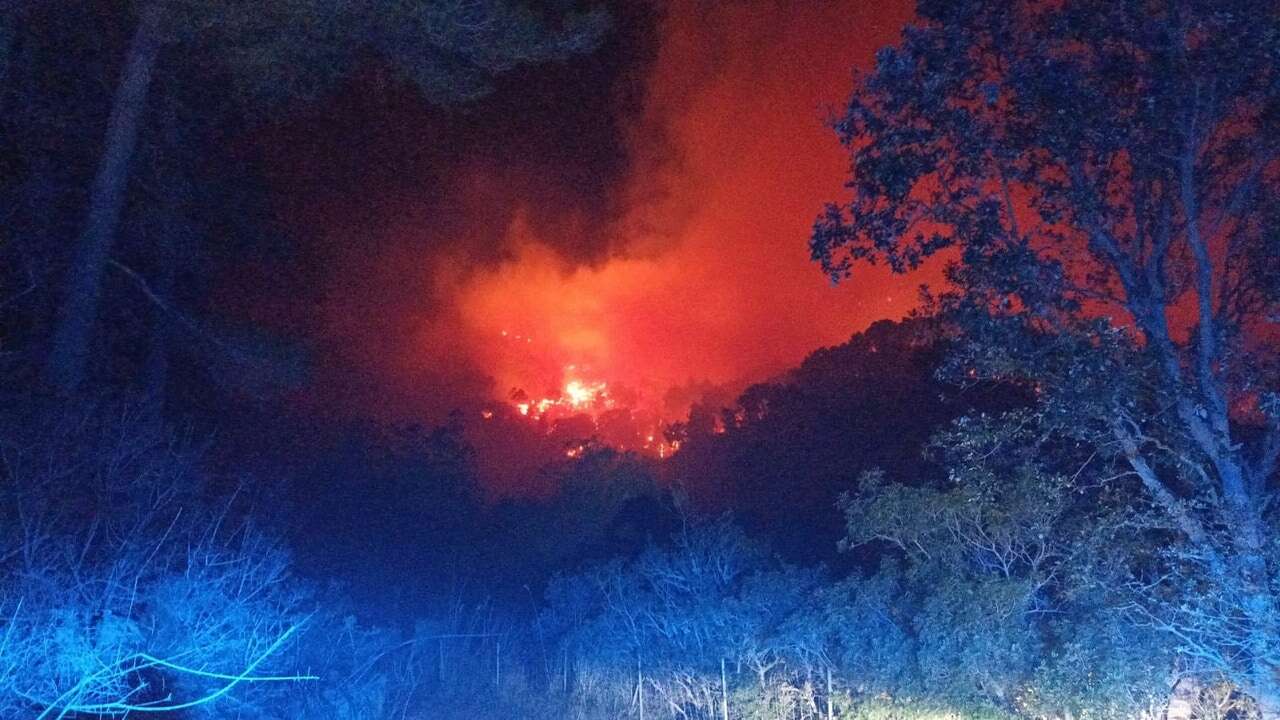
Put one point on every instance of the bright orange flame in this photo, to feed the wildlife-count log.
(577, 396)
(586, 409)
(581, 395)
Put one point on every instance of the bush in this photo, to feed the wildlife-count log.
(127, 582)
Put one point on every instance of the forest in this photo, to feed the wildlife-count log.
(1046, 489)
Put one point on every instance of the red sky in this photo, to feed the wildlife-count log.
(713, 280)
(663, 246)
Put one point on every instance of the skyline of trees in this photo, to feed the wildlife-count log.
(1051, 494)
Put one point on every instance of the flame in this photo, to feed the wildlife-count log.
(584, 401)
(576, 396)
(580, 395)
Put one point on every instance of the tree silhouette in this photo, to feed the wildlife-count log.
(1101, 178)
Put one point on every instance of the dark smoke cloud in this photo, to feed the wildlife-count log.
(378, 195)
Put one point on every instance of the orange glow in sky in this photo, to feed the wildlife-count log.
(714, 281)
(451, 281)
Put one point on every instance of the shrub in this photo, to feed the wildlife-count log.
(127, 582)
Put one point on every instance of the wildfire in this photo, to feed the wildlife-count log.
(580, 409)
(581, 395)
(608, 419)
(576, 397)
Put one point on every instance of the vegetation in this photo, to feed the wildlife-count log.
(1051, 496)
(1103, 178)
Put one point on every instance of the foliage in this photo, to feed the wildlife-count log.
(675, 622)
(1091, 537)
(131, 582)
(127, 584)
(1099, 178)
(784, 451)
(286, 49)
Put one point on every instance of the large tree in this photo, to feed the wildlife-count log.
(1102, 179)
(278, 50)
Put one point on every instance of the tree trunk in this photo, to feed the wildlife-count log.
(724, 692)
(1244, 514)
(69, 355)
(1264, 685)
(155, 374)
(831, 713)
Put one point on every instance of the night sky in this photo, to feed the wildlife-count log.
(600, 359)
